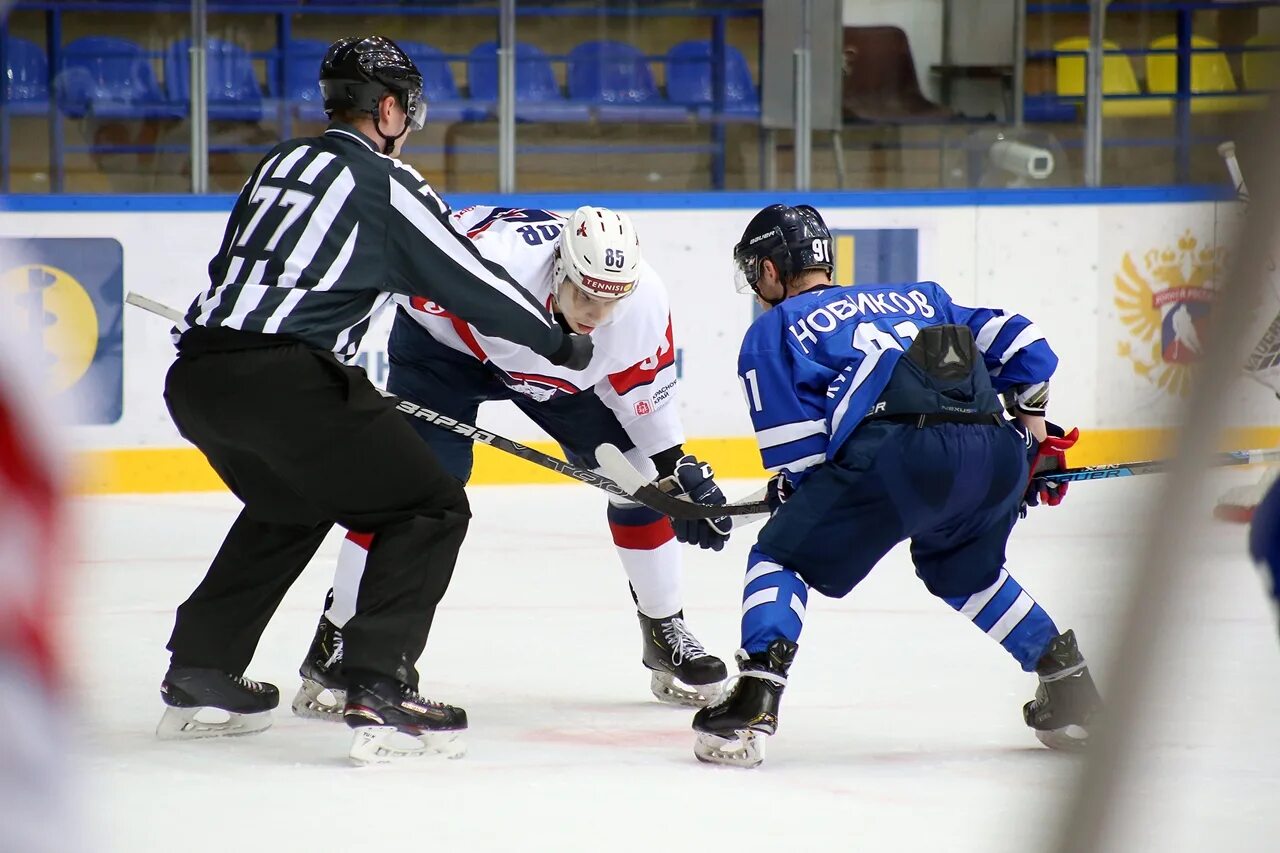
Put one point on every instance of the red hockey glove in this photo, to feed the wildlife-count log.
(1050, 456)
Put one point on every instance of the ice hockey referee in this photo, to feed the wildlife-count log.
(324, 232)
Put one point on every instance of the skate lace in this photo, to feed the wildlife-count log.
(336, 655)
(248, 684)
(684, 646)
(417, 698)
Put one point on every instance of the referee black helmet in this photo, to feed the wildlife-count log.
(358, 72)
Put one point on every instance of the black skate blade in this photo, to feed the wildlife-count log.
(387, 744)
(746, 750)
(666, 689)
(1066, 739)
(314, 701)
(204, 722)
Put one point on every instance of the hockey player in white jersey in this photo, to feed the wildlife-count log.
(589, 273)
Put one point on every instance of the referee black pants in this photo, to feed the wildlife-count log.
(306, 442)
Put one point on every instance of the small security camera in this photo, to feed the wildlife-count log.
(1021, 159)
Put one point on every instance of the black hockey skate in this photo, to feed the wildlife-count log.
(324, 690)
(1066, 701)
(732, 731)
(391, 721)
(226, 704)
(671, 652)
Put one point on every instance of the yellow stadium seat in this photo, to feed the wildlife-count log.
(1262, 70)
(1117, 79)
(1210, 72)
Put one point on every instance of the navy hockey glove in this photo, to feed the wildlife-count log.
(777, 490)
(574, 352)
(1049, 456)
(693, 479)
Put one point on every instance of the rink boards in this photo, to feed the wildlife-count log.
(1122, 283)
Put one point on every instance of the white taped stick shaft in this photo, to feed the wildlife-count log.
(615, 465)
(1228, 152)
(157, 308)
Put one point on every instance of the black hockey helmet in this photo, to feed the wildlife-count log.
(357, 73)
(793, 238)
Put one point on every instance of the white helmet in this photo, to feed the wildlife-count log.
(599, 252)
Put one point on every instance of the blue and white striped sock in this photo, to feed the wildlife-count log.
(773, 603)
(1011, 617)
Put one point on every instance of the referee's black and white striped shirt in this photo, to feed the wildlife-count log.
(327, 228)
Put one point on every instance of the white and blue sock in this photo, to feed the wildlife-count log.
(773, 603)
(1011, 617)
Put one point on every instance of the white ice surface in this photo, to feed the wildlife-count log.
(901, 729)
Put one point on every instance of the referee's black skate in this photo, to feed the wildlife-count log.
(732, 731)
(672, 653)
(324, 689)
(1066, 701)
(210, 703)
(391, 721)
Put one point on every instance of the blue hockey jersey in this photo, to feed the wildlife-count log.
(814, 366)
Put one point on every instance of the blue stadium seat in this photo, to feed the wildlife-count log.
(234, 94)
(301, 73)
(109, 77)
(26, 77)
(538, 96)
(438, 86)
(616, 76)
(689, 79)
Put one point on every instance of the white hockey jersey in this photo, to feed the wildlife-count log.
(633, 367)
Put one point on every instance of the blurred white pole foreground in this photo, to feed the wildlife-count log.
(1090, 821)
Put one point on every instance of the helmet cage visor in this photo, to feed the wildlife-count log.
(366, 95)
(748, 254)
(415, 108)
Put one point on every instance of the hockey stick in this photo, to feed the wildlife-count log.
(1157, 466)
(624, 480)
(1227, 151)
(1266, 352)
(645, 492)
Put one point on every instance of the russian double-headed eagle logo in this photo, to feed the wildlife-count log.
(1164, 301)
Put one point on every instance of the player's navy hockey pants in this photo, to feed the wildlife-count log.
(953, 490)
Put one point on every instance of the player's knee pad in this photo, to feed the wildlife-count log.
(951, 581)
(837, 578)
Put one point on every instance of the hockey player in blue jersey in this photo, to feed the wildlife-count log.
(879, 408)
